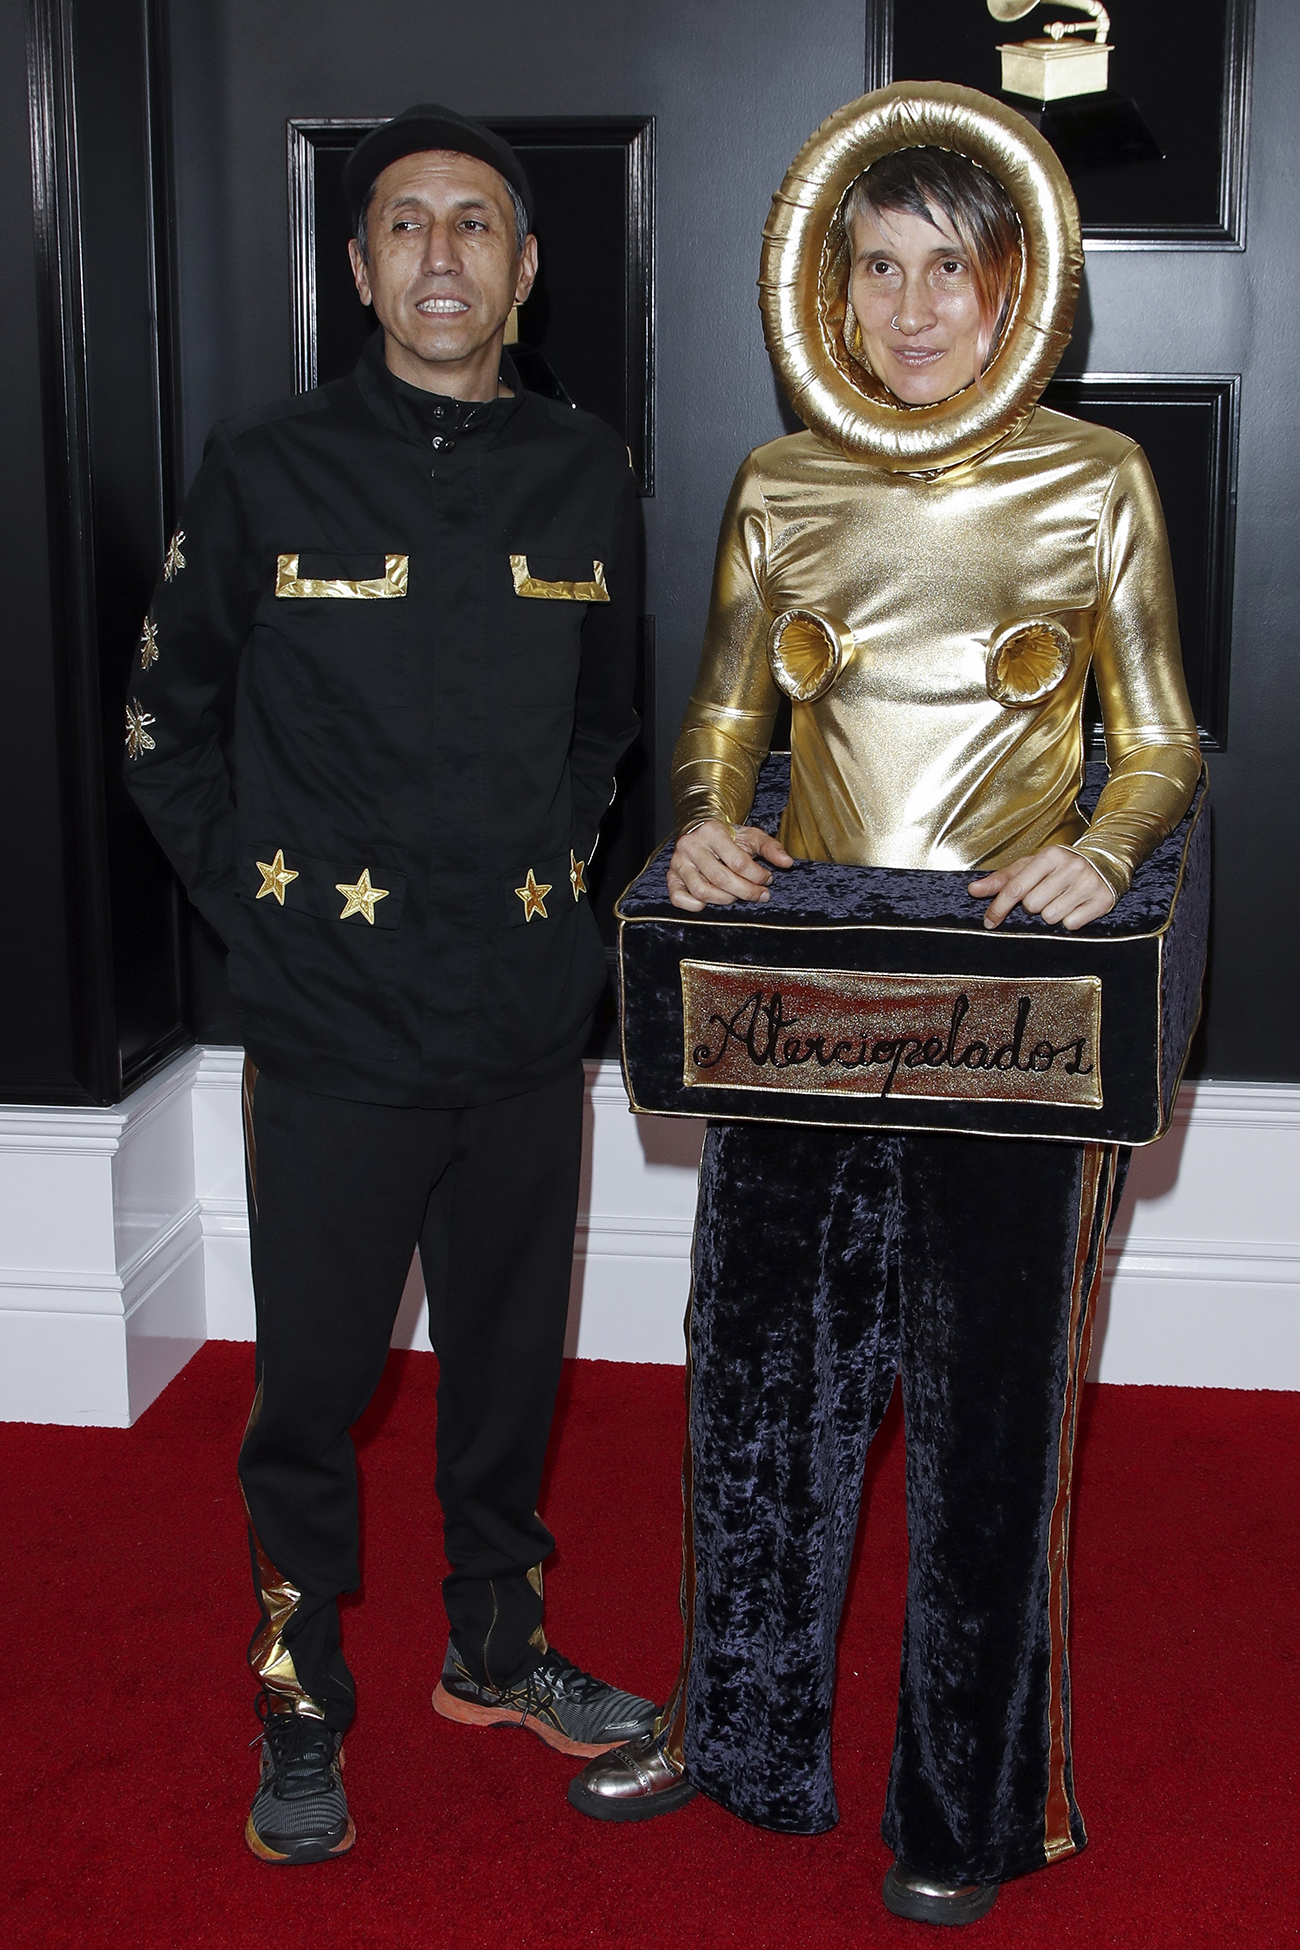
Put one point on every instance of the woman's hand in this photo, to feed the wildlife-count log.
(1056, 883)
(712, 868)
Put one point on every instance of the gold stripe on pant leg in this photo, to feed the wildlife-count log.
(268, 1655)
(250, 1136)
(670, 1726)
(1103, 1229)
(1096, 1181)
(537, 1639)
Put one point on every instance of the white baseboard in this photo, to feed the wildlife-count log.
(220, 1193)
(102, 1291)
(1203, 1271)
(125, 1243)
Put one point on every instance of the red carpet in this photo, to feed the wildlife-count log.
(128, 1773)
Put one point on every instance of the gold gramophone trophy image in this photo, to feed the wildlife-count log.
(1060, 81)
(1057, 65)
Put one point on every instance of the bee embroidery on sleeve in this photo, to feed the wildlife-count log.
(148, 643)
(175, 561)
(137, 738)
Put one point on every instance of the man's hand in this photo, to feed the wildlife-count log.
(711, 869)
(1056, 883)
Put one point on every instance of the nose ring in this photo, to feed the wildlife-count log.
(893, 323)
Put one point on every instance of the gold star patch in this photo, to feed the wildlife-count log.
(360, 898)
(137, 738)
(533, 895)
(175, 561)
(275, 876)
(148, 643)
(576, 880)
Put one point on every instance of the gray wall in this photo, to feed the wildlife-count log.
(736, 85)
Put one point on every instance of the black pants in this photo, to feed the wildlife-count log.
(340, 1193)
(827, 1262)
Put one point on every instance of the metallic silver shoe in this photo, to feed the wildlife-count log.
(634, 1782)
(922, 1898)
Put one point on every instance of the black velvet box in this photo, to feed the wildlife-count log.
(875, 996)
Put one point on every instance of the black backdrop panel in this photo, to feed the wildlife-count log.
(1187, 427)
(130, 503)
(97, 91)
(39, 1057)
(1186, 66)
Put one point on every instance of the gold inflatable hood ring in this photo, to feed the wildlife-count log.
(804, 277)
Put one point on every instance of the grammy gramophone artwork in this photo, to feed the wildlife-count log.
(1057, 65)
(874, 995)
(1061, 81)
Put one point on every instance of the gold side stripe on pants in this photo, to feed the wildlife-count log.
(1097, 1175)
(537, 1639)
(250, 1136)
(671, 1723)
(268, 1655)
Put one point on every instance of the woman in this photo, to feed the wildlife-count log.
(929, 572)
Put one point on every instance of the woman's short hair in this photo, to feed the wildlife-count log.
(921, 180)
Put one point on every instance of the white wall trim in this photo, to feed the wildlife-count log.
(124, 1242)
(1239, 1106)
(668, 1238)
(73, 1291)
(1171, 1259)
(96, 1132)
(605, 1086)
(224, 1218)
(102, 1295)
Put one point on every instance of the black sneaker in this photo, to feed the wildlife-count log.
(565, 1707)
(300, 1812)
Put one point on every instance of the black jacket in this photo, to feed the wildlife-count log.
(430, 694)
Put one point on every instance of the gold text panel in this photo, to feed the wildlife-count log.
(832, 1032)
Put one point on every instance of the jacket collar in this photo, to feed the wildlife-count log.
(417, 415)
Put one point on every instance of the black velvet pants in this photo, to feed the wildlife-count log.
(340, 1194)
(827, 1262)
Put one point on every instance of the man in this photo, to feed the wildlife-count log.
(416, 589)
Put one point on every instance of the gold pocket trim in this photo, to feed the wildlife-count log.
(561, 592)
(289, 583)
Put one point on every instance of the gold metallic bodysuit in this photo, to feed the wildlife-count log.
(924, 558)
